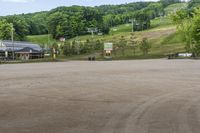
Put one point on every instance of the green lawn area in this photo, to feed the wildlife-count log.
(41, 39)
(161, 22)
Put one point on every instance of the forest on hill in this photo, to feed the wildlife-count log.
(69, 22)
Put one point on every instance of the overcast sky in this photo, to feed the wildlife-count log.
(10, 7)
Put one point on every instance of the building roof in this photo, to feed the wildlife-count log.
(28, 50)
(18, 45)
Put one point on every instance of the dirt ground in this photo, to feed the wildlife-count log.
(144, 96)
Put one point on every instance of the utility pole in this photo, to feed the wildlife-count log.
(132, 21)
(12, 38)
(77, 45)
(48, 37)
(161, 15)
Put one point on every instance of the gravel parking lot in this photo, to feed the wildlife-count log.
(141, 96)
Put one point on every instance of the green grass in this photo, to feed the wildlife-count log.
(175, 7)
(41, 39)
(161, 22)
(172, 38)
(121, 29)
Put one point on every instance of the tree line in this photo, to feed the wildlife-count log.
(187, 21)
(72, 21)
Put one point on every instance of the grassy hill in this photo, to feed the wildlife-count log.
(175, 7)
(163, 38)
(162, 35)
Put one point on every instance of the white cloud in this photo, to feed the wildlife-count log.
(18, 1)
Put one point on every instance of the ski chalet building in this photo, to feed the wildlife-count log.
(22, 50)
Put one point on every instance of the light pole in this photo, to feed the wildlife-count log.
(132, 21)
(48, 36)
(12, 37)
(77, 45)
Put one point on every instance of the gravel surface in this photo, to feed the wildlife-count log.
(142, 96)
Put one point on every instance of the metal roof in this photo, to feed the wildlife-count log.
(18, 45)
(28, 50)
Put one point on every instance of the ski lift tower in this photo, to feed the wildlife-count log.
(161, 14)
(12, 39)
(92, 31)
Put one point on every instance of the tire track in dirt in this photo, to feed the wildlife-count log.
(133, 123)
(165, 113)
(124, 123)
(184, 124)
